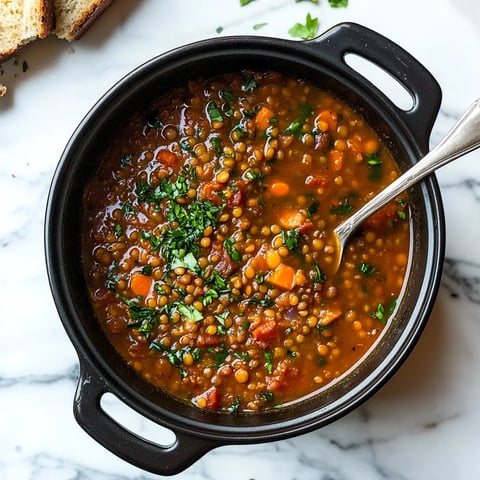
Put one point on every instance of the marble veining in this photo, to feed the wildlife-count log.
(423, 424)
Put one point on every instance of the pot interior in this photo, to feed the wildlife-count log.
(78, 164)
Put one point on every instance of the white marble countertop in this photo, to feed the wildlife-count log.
(424, 424)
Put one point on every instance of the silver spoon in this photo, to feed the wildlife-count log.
(461, 139)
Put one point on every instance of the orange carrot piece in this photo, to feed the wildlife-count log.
(263, 117)
(327, 121)
(336, 159)
(279, 189)
(140, 284)
(283, 277)
(166, 157)
(291, 219)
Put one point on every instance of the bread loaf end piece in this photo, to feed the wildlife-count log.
(74, 17)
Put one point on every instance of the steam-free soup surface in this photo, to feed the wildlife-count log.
(207, 241)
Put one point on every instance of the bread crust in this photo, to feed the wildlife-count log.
(82, 24)
(47, 21)
(46, 26)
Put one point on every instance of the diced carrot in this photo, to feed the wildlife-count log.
(263, 117)
(283, 277)
(291, 219)
(300, 278)
(327, 121)
(167, 157)
(336, 159)
(273, 259)
(279, 189)
(140, 284)
(326, 317)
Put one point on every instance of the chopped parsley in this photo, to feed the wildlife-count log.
(291, 239)
(376, 167)
(366, 269)
(234, 254)
(142, 318)
(382, 314)
(313, 208)
(318, 276)
(305, 31)
(189, 312)
(296, 126)
(249, 83)
(213, 112)
(338, 3)
(344, 208)
(268, 356)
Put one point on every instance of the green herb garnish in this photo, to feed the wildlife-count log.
(306, 31)
(291, 239)
(142, 318)
(366, 269)
(344, 208)
(268, 356)
(234, 254)
(213, 112)
(296, 126)
(318, 276)
(313, 208)
(338, 3)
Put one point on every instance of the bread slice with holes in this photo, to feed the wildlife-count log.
(22, 21)
(74, 17)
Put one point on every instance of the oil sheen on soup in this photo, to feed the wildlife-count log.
(207, 241)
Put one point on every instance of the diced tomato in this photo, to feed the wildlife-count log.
(206, 340)
(210, 191)
(265, 332)
(316, 181)
(209, 399)
(382, 218)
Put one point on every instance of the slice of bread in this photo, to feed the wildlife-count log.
(22, 21)
(74, 17)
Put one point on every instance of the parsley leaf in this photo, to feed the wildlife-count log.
(291, 239)
(213, 112)
(343, 208)
(268, 360)
(234, 254)
(189, 312)
(143, 318)
(305, 31)
(338, 3)
(366, 269)
(296, 125)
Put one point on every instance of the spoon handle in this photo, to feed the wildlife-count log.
(461, 139)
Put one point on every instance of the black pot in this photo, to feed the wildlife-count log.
(101, 369)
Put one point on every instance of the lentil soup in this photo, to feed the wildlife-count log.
(207, 241)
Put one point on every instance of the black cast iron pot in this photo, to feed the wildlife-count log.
(321, 61)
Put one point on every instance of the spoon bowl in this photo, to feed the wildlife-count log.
(463, 138)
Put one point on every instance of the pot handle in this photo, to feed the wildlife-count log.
(416, 79)
(158, 459)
